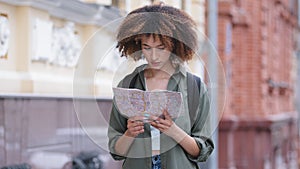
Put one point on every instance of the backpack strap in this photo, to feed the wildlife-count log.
(130, 80)
(193, 94)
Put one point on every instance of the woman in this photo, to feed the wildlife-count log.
(166, 37)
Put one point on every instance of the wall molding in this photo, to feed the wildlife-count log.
(73, 10)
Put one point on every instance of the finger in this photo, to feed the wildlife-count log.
(130, 120)
(135, 121)
(166, 122)
(154, 124)
(138, 123)
(166, 114)
(137, 130)
(157, 124)
(137, 133)
(160, 126)
(153, 118)
(135, 124)
(134, 132)
(138, 118)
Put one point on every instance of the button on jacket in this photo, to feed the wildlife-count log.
(173, 156)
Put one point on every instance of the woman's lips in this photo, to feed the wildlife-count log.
(155, 63)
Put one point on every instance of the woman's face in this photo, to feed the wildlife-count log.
(155, 52)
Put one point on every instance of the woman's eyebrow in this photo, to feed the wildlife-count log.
(160, 45)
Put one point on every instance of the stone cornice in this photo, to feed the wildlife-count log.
(267, 122)
(73, 10)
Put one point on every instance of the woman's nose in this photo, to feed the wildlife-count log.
(154, 55)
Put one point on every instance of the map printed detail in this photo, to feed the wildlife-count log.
(135, 102)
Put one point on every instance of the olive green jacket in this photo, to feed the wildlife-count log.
(173, 156)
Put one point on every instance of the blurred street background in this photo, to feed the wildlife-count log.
(58, 63)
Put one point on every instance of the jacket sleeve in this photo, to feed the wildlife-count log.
(117, 127)
(117, 122)
(201, 130)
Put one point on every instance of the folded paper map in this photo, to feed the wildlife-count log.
(135, 102)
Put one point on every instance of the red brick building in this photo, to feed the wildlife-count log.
(256, 44)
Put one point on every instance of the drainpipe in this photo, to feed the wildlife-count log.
(297, 101)
(298, 12)
(212, 162)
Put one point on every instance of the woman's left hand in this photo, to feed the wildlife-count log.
(165, 124)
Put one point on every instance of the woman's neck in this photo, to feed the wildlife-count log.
(160, 73)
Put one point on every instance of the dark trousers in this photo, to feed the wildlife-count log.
(156, 163)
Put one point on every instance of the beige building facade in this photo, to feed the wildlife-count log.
(52, 52)
(49, 42)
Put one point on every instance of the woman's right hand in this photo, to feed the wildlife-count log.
(135, 126)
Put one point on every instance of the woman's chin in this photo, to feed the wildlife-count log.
(154, 67)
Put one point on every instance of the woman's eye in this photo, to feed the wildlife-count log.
(147, 48)
(162, 48)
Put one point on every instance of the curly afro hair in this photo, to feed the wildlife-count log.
(174, 27)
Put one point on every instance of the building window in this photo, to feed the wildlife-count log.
(4, 35)
(65, 46)
(42, 40)
(58, 46)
